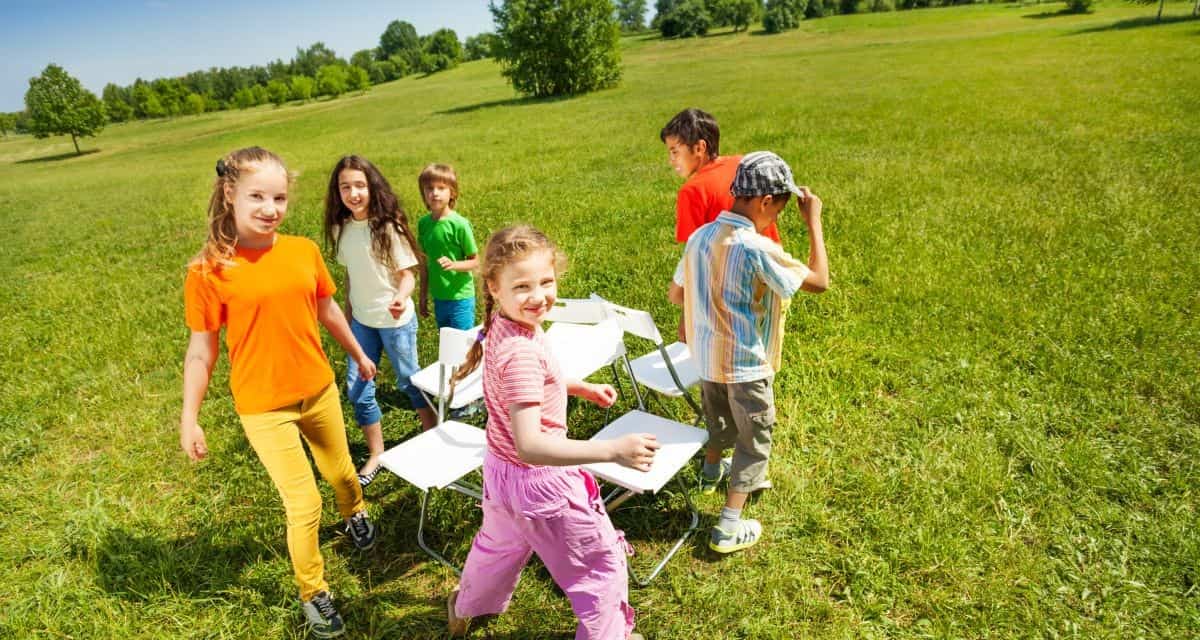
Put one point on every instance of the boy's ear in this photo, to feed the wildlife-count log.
(701, 147)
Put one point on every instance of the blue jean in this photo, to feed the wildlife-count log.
(400, 343)
(457, 314)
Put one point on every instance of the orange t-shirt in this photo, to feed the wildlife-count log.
(268, 303)
(705, 195)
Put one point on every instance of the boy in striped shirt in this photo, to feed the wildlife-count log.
(734, 286)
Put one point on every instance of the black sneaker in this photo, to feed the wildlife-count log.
(361, 531)
(321, 618)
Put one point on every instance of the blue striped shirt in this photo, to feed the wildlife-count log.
(736, 285)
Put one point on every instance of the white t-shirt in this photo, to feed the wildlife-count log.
(371, 288)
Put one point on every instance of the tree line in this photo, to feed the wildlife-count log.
(313, 72)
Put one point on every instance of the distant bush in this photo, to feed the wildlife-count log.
(781, 15)
(683, 18)
(1079, 6)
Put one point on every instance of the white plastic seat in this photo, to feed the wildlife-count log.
(439, 459)
(434, 380)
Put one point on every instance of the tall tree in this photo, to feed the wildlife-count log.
(557, 47)
(442, 51)
(307, 61)
(479, 46)
(631, 14)
(117, 103)
(59, 105)
(398, 36)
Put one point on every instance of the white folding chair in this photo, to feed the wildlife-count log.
(439, 459)
(434, 380)
(584, 337)
(668, 369)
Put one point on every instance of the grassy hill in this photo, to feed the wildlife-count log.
(989, 426)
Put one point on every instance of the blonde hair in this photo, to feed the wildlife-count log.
(504, 247)
(438, 172)
(222, 230)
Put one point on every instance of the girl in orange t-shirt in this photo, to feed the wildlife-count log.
(268, 291)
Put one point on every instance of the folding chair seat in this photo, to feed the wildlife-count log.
(439, 459)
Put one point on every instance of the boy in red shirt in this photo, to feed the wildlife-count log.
(693, 145)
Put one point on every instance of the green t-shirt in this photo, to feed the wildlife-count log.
(451, 237)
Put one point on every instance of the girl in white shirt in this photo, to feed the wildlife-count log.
(367, 231)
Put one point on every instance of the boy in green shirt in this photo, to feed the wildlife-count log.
(450, 249)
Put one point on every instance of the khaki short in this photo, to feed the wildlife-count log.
(742, 415)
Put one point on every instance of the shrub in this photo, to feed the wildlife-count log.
(557, 47)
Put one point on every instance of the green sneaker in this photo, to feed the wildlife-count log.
(709, 485)
(746, 536)
(321, 617)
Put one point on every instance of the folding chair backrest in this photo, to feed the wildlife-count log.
(635, 321)
(577, 311)
(453, 345)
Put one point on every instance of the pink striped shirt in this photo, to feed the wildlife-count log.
(518, 368)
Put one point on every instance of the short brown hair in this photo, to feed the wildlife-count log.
(438, 172)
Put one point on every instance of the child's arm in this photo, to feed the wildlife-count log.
(330, 316)
(466, 264)
(818, 263)
(197, 370)
(601, 395)
(405, 283)
(535, 446)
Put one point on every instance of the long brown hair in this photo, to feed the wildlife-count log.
(504, 247)
(222, 230)
(384, 213)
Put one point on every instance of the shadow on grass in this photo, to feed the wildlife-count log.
(56, 158)
(1137, 23)
(511, 102)
(139, 566)
(1061, 13)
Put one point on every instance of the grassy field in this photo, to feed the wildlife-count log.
(989, 426)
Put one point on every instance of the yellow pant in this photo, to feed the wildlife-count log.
(275, 436)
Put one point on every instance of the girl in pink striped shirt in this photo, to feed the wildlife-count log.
(536, 498)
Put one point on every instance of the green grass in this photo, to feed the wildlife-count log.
(988, 426)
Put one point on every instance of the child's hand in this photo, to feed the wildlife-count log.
(366, 367)
(810, 205)
(635, 451)
(601, 395)
(446, 263)
(191, 439)
(396, 308)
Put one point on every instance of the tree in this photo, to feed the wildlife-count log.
(307, 61)
(117, 103)
(363, 58)
(740, 13)
(357, 79)
(683, 19)
(557, 47)
(382, 71)
(397, 37)
(193, 104)
(59, 105)
(780, 15)
(441, 51)
(244, 98)
(145, 101)
(302, 87)
(631, 14)
(278, 92)
(478, 47)
(8, 122)
(331, 80)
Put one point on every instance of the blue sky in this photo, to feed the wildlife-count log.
(101, 42)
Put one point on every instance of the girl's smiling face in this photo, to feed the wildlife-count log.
(259, 200)
(526, 289)
(356, 195)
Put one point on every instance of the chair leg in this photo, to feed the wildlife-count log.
(421, 537)
(624, 494)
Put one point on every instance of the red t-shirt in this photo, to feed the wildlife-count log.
(705, 195)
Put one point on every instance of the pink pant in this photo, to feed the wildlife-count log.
(557, 513)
